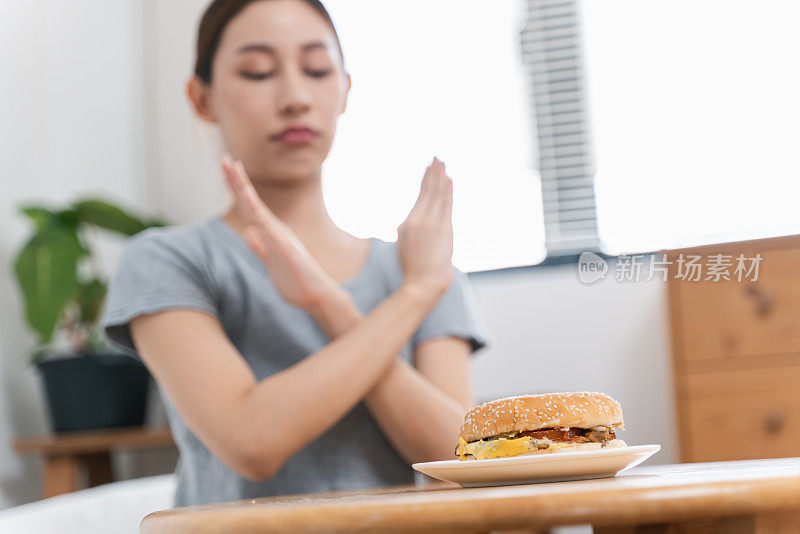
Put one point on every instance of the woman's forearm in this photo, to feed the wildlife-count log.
(314, 394)
(419, 419)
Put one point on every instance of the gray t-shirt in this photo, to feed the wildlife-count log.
(207, 266)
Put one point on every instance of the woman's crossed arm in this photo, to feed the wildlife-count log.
(255, 426)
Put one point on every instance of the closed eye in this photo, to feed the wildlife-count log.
(265, 75)
(319, 73)
(257, 75)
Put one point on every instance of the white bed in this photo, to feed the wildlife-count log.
(118, 507)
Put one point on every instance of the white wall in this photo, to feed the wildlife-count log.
(186, 182)
(71, 97)
(554, 333)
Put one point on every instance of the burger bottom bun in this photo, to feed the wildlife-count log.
(611, 444)
(577, 447)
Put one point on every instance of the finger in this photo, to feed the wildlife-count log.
(238, 187)
(254, 200)
(438, 188)
(448, 209)
(231, 183)
(254, 240)
(444, 196)
(441, 205)
(439, 164)
(425, 189)
(253, 208)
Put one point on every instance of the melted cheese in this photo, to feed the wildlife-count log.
(496, 448)
(461, 450)
(505, 447)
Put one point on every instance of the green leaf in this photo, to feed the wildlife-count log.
(152, 223)
(46, 270)
(69, 217)
(106, 215)
(89, 296)
(41, 217)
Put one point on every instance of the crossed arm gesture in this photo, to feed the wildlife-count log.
(245, 421)
(425, 240)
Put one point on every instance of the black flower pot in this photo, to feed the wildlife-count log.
(91, 391)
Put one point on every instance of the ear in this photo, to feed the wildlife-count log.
(200, 98)
(347, 85)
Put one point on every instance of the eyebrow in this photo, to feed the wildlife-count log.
(263, 47)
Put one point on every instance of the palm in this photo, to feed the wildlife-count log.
(296, 275)
(425, 239)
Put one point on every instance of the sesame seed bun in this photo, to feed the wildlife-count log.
(582, 409)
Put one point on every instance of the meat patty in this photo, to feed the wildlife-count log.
(572, 434)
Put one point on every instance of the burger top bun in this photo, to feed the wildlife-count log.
(584, 409)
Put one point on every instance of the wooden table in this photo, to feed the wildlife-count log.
(754, 496)
(66, 453)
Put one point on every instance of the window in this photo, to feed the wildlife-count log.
(696, 114)
(444, 78)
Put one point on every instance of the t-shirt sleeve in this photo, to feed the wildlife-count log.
(153, 275)
(456, 314)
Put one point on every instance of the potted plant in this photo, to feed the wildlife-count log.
(88, 385)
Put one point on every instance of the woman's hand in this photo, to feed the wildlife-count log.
(425, 239)
(296, 275)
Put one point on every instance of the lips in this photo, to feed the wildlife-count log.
(296, 135)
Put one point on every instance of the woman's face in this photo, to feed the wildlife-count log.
(278, 66)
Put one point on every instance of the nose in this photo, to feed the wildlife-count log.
(294, 96)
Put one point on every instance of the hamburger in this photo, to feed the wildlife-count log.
(540, 424)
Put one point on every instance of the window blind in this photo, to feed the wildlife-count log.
(552, 54)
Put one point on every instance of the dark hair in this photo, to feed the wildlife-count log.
(216, 18)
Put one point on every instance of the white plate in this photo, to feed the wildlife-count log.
(554, 467)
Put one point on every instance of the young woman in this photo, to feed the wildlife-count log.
(293, 357)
